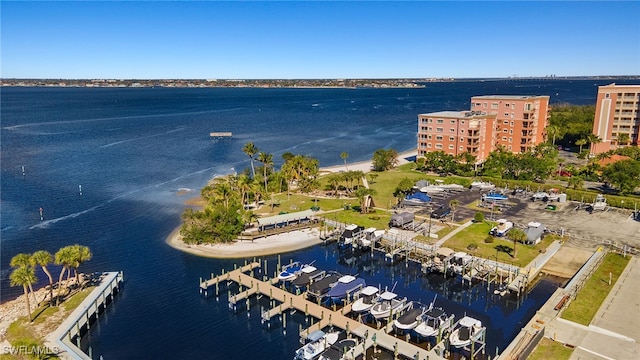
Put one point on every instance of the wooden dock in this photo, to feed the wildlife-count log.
(250, 286)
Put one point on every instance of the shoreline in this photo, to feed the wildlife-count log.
(275, 244)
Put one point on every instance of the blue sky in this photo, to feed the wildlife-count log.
(292, 40)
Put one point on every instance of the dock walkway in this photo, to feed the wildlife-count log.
(326, 317)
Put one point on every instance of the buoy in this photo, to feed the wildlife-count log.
(41, 217)
(80, 189)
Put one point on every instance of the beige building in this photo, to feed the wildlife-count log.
(617, 117)
(516, 122)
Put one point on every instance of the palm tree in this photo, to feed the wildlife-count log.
(44, 258)
(81, 254)
(553, 131)
(516, 234)
(453, 204)
(362, 193)
(24, 276)
(344, 155)
(251, 150)
(593, 140)
(63, 257)
(623, 139)
(581, 143)
(23, 260)
(267, 161)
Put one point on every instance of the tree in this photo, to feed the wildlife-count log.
(344, 155)
(581, 143)
(24, 276)
(251, 150)
(63, 257)
(363, 195)
(478, 217)
(625, 175)
(623, 139)
(44, 258)
(553, 131)
(403, 189)
(81, 254)
(23, 260)
(593, 140)
(373, 177)
(453, 204)
(384, 159)
(516, 235)
(576, 182)
(267, 161)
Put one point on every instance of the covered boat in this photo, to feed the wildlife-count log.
(319, 289)
(411, 317)
(305, 276)
(338, 351)
(346, 285)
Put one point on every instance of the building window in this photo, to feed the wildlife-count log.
(484, 105)
(461, 122)
(439, 129)
(506, 114)
(494, 105)
(461, 131)
(511, 132)
(452, 130)
(606, 96)
(504, 138)
(450, 147)
(504, 131)
(512, 123)
(452, 138)
(431, 121)
(505, 122)
(461, 148)
(452, 122)
(429, 137)
(440, 121)
(513, 115)
(429, 146)
(506, 105)
(438, 146)
(461, 139)
(439, 138)
(510, 140)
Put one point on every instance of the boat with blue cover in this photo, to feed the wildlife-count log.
(346, 285)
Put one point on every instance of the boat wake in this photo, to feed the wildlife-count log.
(141, 138)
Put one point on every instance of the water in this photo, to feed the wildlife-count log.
(131, 150)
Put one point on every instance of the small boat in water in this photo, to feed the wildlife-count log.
(319, 289)
(338, 351)
(468, 330)
(433, 322)
(501, 289)
(290, 271)
(387, 305)
(305, 276)
(346, 286)
(411, 317)
(367, 297)
(318, 341)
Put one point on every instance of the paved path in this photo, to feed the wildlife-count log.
(614, 333)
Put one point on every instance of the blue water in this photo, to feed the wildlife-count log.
(132, 150)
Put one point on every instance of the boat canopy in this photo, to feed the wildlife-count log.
(308, 269)
(469, 322)
(346, 279)
(369, 291)
(285, 218)
(435, 313)
(315, 335)
(388, 296)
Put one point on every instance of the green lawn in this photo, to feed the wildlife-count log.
(378, 219)
(584, 307)
(549, 349)
(476, 234)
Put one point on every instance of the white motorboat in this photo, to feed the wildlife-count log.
(502, 227)
(411, 317)
(468, 330)
(387, 305)
(367, 297)
(435, 321)
(339, 350)
(290, 272)
(318, 341)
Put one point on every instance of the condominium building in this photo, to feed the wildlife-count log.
(617, 117)
(456, 132)
(516, 122)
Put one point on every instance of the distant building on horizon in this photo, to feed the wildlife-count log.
(515, 122)
(617, 117)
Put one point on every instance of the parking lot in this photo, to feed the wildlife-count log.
(584, 229)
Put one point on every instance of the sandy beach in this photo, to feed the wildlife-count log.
(275, 244)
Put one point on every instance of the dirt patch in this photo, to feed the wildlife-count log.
(567, 261)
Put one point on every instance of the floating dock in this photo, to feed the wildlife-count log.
(368, 336)
(221, 134)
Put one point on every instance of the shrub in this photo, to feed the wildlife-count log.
(478, 217)
(489, 239)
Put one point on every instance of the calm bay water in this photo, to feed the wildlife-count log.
(132, 150)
